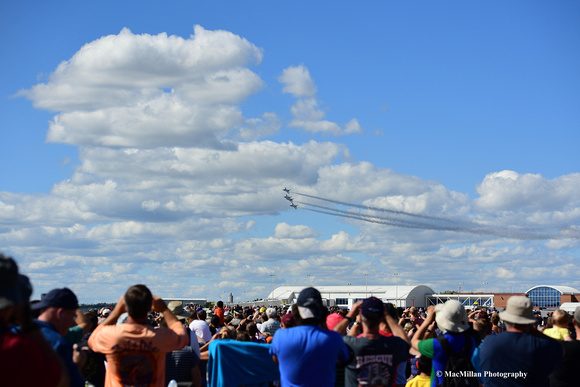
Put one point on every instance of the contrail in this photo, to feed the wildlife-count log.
(376, 218)
(424, 222)
(346, 204)
(346, 214)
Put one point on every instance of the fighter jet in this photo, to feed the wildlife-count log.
(294, 205)
(286, 190)
(288, 198)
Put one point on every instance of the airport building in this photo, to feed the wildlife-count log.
(346, 296)
(542, 296)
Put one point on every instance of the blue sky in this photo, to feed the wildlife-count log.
(149, 142)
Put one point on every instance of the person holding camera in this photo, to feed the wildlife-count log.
(135, 350)
(375, 355)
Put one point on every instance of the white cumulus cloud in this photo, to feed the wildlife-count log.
(306, 112)
(151, 90)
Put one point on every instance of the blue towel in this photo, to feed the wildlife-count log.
(236, 363)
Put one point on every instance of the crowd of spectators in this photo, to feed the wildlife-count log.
(143, 341)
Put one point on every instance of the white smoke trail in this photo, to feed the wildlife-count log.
(424, 222)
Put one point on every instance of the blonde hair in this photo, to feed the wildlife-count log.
(560, 318)
(227, 332)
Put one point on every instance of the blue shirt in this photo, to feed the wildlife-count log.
(235, 363)
(307, 355)
(509, 354)
(64, 349)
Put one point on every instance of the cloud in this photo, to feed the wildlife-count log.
(177, 188)
(170, 184)
(307, 115)
(130, 90)
(511, 191)
(256, 128)
(284, 230)
(297, 81)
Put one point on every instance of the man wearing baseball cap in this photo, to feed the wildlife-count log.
(307, 354)
(374, 357)
(58, 309)
(521, 355)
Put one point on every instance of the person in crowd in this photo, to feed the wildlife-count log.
(307, 354)
(521, 350)
(228, 319)
(219, 311)
(495, 321)
(452, 319)
(254, 334)
(57, 312)
(26, 358)
(287, 321)
(103, 314)
(403, 368)
(423, 379)
(177, 309)
(182, 365)
(415, 317)
(136, 351)
(332, 320)
(375, 356)
(272, 325)
(94, 369)
(83, 326)
(238, 316)
(567, 373)
(201, 327)
(242, 336)
(559, 329)
(214, 325)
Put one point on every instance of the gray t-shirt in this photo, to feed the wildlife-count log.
(374, 362)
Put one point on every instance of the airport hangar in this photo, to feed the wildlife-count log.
(421, 296)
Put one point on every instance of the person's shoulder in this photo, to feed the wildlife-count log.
(427, 342)
(394, 340)
(46, 327)
(50, 333)
(571, 349)
(426, 347)
(350, 339)
(333, 334)
(280, 333)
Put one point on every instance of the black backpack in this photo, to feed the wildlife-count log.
(459, 372)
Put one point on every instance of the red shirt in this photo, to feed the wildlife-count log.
(22, 362)
(220, 313)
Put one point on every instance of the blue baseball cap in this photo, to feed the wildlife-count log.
(309, 303)
(372, 305)
(58, 298)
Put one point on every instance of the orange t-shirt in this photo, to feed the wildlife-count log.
(136, 353)
(220, 313)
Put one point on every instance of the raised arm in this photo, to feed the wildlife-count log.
(418, 336)
(396, 329)
(350, 317)
(116, 313)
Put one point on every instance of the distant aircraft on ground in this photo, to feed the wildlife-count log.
(294, 205)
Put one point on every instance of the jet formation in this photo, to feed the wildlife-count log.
(289, 198)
